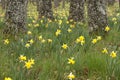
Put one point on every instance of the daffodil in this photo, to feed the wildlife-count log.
(29, 63)
(8, 78)
(36, 25)
(31, 41)
(71, 20)
(71, 76)
(34, 21)
(22, 58)
(114, 19)
(118, 14)
(99, 38)
(41, 21)
(6, 41)
(58, 32)
(94, 41)
(27, 45)
(32, 61)
(69, 30)
(64, 46)
(72, 26)
(67, 22)
(81, 40)
(71, 61)
(113, 54)
(105, 51)
(40, 37)
(43, 41)
(29, 32)
(107, 28)
(49, 40)
(60, 22)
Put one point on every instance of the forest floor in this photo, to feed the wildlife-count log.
(61, 49)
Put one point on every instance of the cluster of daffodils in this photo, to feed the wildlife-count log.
(114, 19)
(42, 40)
(81, 40)
(113, 54)
(27, 63)
(95, 40)
(71, 61)
(29, 43)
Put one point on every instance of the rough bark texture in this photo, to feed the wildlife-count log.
(3, 4)
(76, 10)
(63, 3)
(111, 2)
(57, 3)
(44, 8)
(15, 16)
(97, 16)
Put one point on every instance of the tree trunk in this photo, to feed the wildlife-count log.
(76, 10)
(3, 3)
(97, 15)
(63, 4)
(44, 8)
(15, 16)
(111, 2)
(57, 3)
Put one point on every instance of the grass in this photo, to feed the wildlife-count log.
(51, 60)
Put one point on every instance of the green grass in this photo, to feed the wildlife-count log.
(51, 60)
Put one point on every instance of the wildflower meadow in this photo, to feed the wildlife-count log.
(61, 49)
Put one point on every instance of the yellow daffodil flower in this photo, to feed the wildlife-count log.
(107, 28)
(71, 61)
(69, 30)
(64, 46)
(6, 41)
(27, 45)
(94, 41)
(58, 32)
(105, 51)
(22, 58)
(7, 78)
(113, 54)
(71, 76)
(29, 32)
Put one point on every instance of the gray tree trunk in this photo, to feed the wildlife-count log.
(15, 16)
(3, 4)
(44, 8)
(57, 3)
(76, 10)
(111, 2)
(63, 3)
(97, 15)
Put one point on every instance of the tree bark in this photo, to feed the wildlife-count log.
(76, 10)
(57, 3)
(44, 8)
(15, 16)
(3, 4)
(111, 2)
(97, 15)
